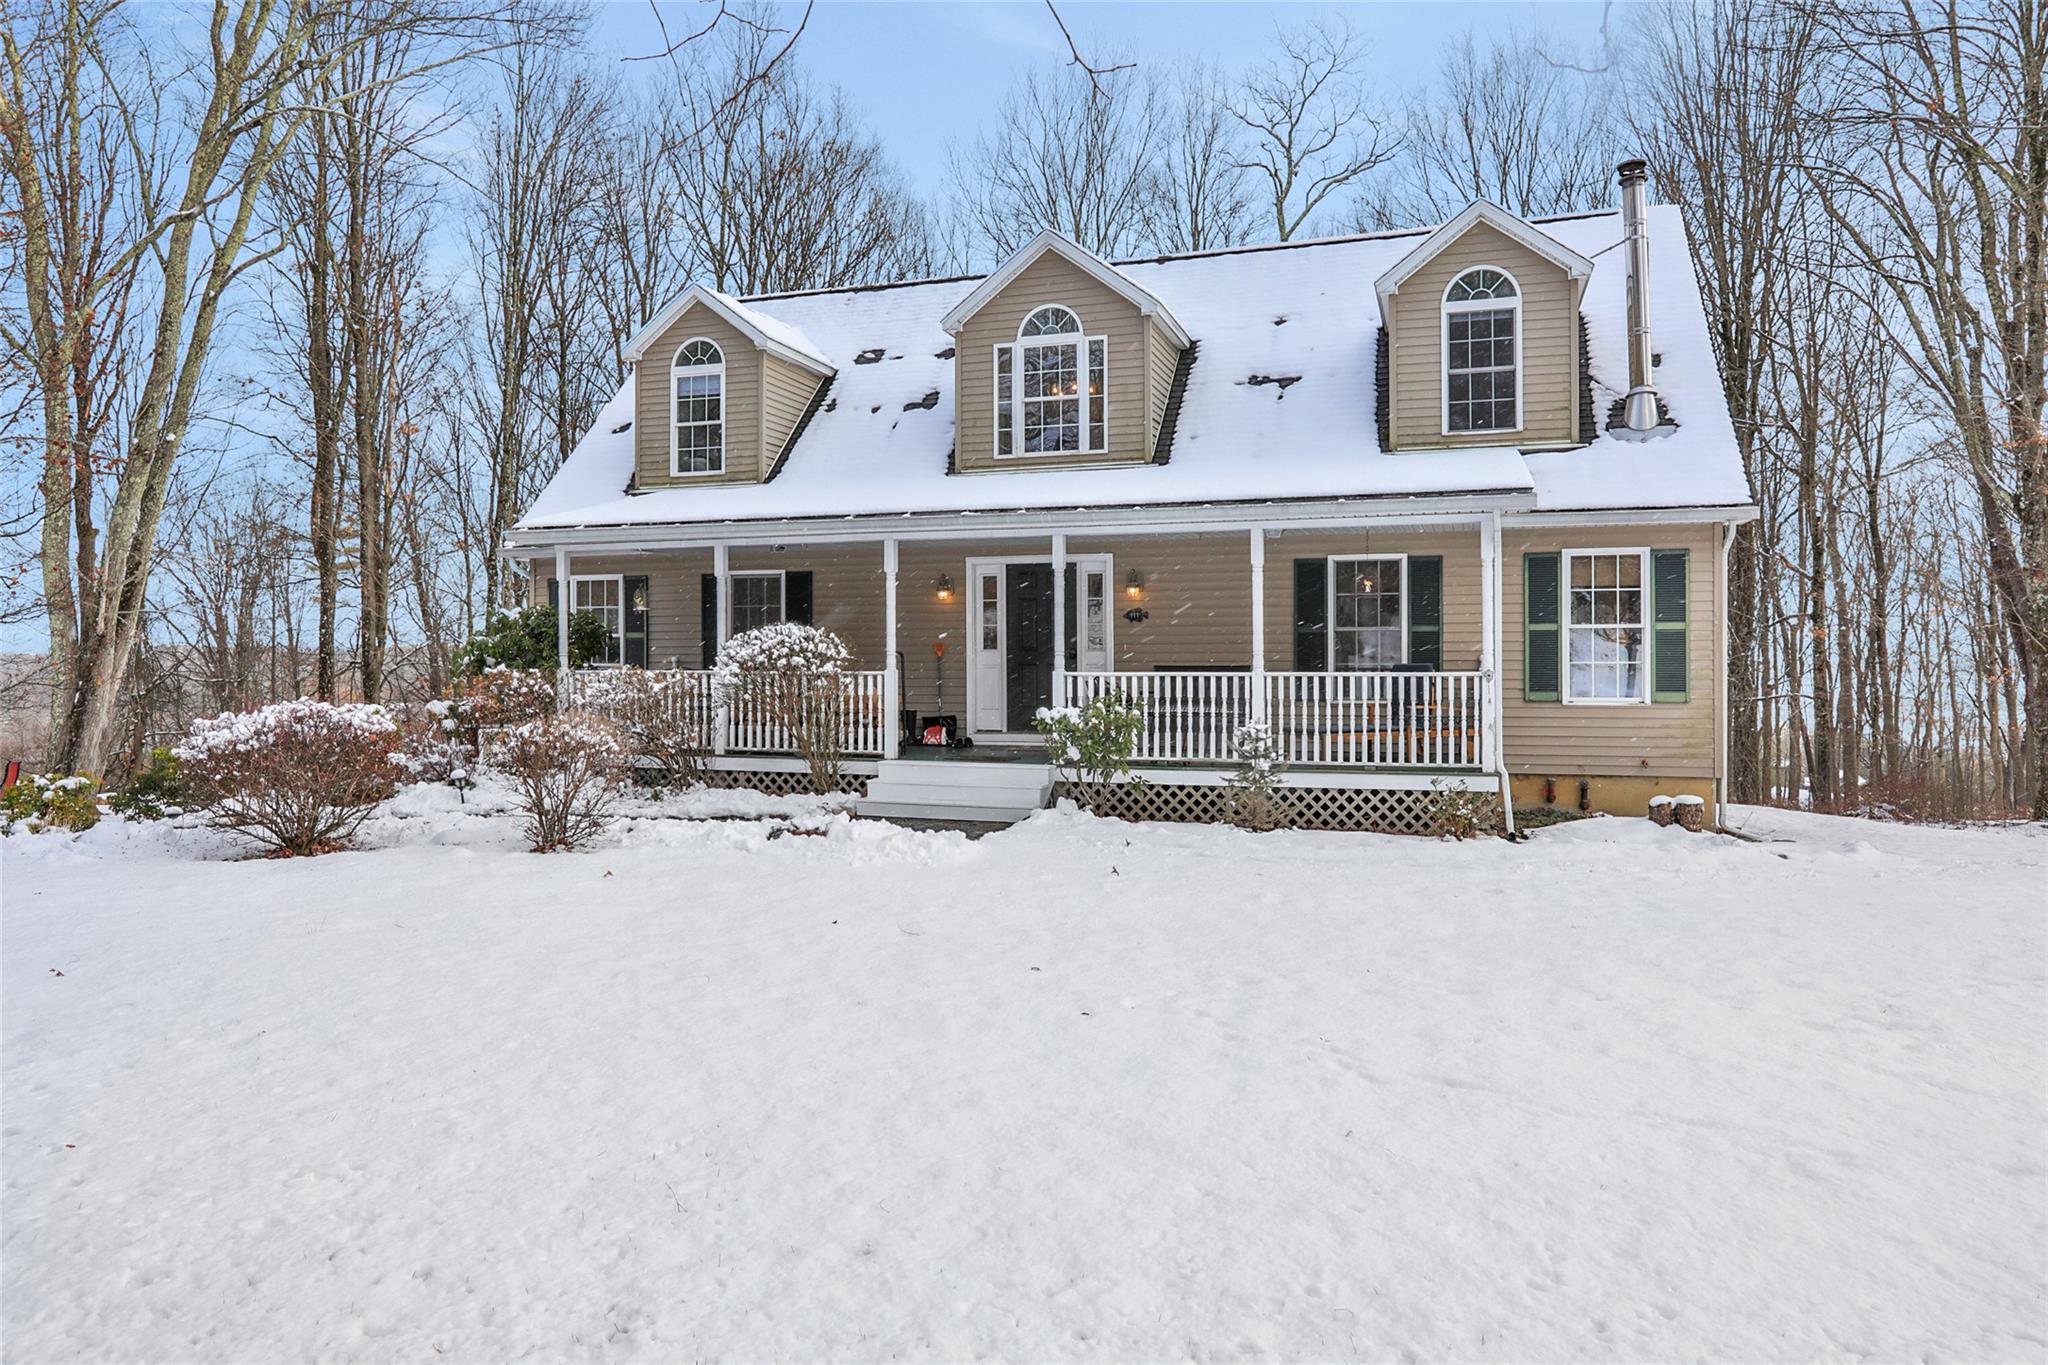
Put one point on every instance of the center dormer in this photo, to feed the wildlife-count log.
(1060, 360)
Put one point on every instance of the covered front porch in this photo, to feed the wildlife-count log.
(1368, 643)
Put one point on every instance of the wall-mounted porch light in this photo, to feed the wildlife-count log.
(945, 587)
(1134, 586)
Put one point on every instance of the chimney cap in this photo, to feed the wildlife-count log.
(1634, 169)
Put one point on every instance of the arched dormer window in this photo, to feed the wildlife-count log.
(1482, 352)
(1052, 385)
(697, 408)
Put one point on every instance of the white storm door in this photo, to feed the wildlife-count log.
(1091, 642)
(985, 633)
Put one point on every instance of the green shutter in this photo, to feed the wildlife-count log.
(1541, 633)
(554, 594)
(796, 596)
(1669, 676)
(1426, 610)
(1311, 606)
(707, 621)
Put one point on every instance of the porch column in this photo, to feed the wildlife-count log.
(564, 602)
(1258, 698)
(721, 570)
(892, 679)
(1059, 619)
(1492, 748)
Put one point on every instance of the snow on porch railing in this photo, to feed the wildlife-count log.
(1188, 716)
(1344, 720)
(751, 725)
(1379, 720)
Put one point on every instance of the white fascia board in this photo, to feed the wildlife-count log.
(1494, 216)
(740, 319)
(1636, 516)
(1184, 519)
(1093, 265)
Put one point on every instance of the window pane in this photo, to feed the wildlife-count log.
(1366, 614)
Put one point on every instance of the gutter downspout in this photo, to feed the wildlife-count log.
(1493, 637)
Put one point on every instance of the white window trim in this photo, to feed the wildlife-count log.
(781, 577)
(1330, 606)
(1084, 340)
(1564, 642)
(675, 450)
(570, 606)
(1443, 367)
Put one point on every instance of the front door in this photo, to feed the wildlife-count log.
(1009, 627)
(1027, 671)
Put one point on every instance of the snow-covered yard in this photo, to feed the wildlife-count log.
(1077, 1090)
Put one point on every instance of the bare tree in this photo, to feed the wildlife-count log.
(1200, 197)
(1061, 156)
(1311, 129)
(1500, 123)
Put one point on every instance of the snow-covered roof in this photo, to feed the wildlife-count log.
(770, 333)
(1494, 216)
(1306, 311)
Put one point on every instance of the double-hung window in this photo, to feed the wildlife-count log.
(1051, 387)
(1482, 335)
(1605, 655)
(698, 413)
(1368, 613)
(757, 600)
(605, 598)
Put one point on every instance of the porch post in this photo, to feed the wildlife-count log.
(1492, 748)
(892, 680)
(564, 602)
(1059, 619)
(1258, 699)
(721, 570)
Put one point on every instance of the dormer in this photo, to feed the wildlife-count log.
(720, 391)
(1482, 337)
(1059, 359)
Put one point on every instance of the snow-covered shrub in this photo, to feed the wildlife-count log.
(526, 639)
(500, 696)
(567, 771)
(660, 717)
(433, 748)
(1253, 785)
(154, 793)
(793, 678)
(296, 776)
(1455, 811)
(1092, 744)
(50, 801)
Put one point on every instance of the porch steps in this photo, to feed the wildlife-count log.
(919, 789)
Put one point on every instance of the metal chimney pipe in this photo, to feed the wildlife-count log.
(1640, 410)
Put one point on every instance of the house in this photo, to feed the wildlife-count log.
(1442, 507)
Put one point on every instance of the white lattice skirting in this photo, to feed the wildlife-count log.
(780, 783)
(1359, 809)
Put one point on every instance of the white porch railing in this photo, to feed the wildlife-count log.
(1341, 720)
(750, 725)
(1188, 716)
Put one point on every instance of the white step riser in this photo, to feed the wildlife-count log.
(893, 810)
(953, 796)
(966, 776)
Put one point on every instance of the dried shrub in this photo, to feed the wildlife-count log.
(502, 696)
(1457, 812)
(298, 776)
(567, 772)
(794, 677)
(50, 801)
(659, 717)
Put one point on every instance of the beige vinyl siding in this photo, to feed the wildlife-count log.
(1459, 549)
(1165, 359)
(653, 436)
(1665, 739)
(1103, 312)
(786, 391)
(671, 597)
(1549, 344)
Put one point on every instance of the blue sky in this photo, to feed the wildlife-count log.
(926, 73)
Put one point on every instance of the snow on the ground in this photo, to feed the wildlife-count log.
(1076, 1090)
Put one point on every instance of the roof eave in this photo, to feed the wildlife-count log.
(1494, 216)
(695, 294)
(1149, 304)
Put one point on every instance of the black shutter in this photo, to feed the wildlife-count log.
(1426, 610)
(636, 613)
(1311, 615)
(555, 594)
(1542, 657)
(796, 596)
(707, 621)
(1669, 680)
